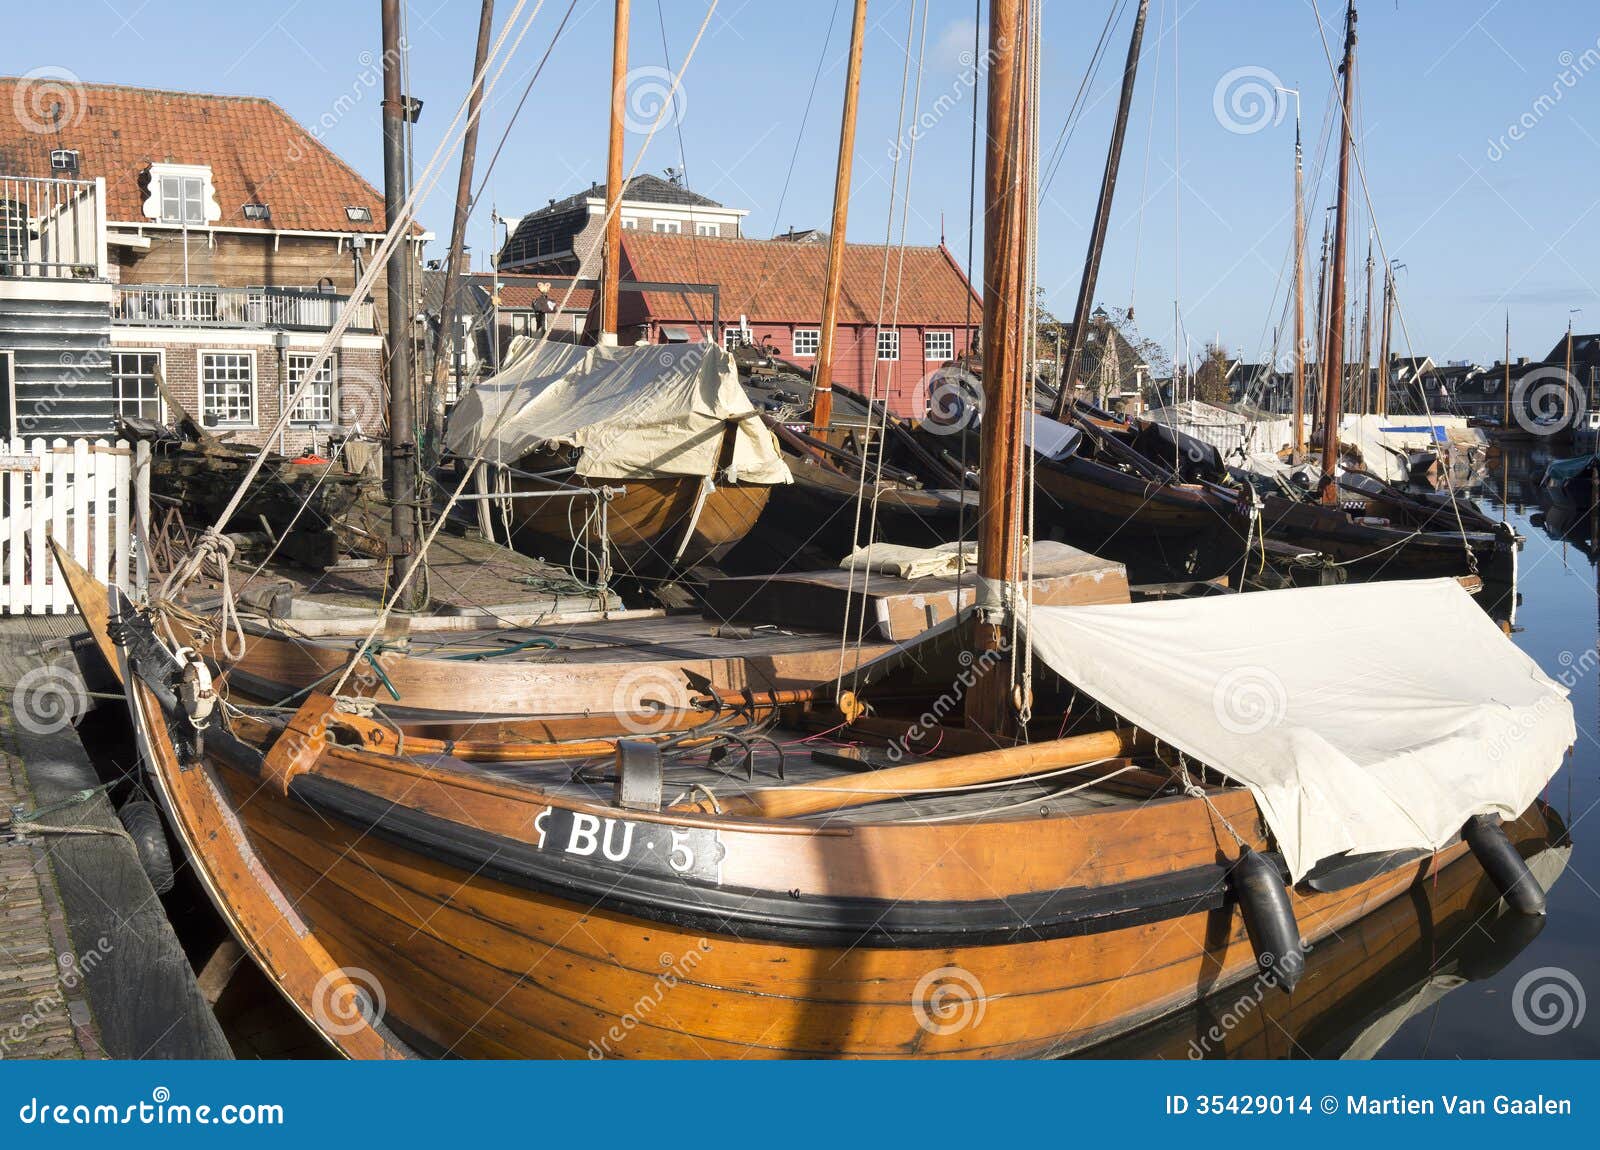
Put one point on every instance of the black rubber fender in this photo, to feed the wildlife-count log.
(1504, 866)
(1269, 918)
(142, 820)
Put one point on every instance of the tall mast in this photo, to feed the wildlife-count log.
(822, 370)
(1006, 165)
(1386, 338)
(611, 268)
(1505, 423)
(1102, 217)
(1566, 379)
(1322, 322)
(449, 308)
(1335, 343)
(1298, 443)
(402, 436)
(1366, 333)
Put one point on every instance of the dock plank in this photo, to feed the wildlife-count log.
(132, 975)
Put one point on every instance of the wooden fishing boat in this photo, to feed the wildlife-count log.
(546, 908)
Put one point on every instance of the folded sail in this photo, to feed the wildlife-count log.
(643, 412)
(1364, 718)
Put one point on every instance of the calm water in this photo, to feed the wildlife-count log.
(1446, 973)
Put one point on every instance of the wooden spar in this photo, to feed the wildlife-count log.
(1566, 379)
(1385, 340)
(1298, 443)
(450, 304)
(1333, 374)
(1505, 423)
(611, 264)
(836, 794)
(1366, 331)
(1322, 322)
(402, 437)
(1065, 384)
(822, 371)
(988, 702)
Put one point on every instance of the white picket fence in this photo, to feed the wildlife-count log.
(92, 496)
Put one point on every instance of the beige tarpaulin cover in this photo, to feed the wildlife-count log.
(1364, 718)
(904, 562)
(637, 412)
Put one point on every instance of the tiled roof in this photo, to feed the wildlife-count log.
(522, 291)
(256, 151)
(782, 282)
(645, 189)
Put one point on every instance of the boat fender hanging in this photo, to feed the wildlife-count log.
(194, 688)
(1505, 867)
(1268, 918)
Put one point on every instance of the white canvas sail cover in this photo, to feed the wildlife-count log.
(1364, 718)
(643, 412)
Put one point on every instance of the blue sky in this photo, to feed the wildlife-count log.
(1483, 218)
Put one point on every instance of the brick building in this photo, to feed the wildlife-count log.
(213, 242)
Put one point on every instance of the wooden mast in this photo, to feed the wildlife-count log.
(1298, 443)
(1066, 383)
(1566, 379)
(1366, 333)
(1335, 343)
(450, 303)
(1006, 164)
(822, 370)
(1322, 323)
(1505, 422)
(611, 266)
(1386, 338)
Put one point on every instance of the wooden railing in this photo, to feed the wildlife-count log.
(52, 229)
(177, 305)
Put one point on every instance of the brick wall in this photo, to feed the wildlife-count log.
(358, 389)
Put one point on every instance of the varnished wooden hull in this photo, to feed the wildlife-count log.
(1372, 552)
(647, 524)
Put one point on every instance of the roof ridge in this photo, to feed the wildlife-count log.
(108, 85)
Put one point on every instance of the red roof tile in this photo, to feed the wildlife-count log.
(256, 151)
(782, 282)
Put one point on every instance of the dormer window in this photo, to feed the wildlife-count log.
(64, 160)
(358, 215)
(257, 212)
(182, 194)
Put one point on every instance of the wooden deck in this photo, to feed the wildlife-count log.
(89, 964)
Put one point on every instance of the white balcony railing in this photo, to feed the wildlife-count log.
(52, 229)
(176, 305)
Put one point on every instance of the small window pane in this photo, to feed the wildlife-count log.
(133, 383)
(316, 405)
(807, 340)
(940, 346)
(227, 389)
(888, 345)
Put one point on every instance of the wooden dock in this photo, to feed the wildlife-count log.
(89, 964)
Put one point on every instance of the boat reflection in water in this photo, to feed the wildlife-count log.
(1360, 988)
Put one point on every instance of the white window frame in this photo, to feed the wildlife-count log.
(667, 227)
(629, 224)
(814, 335)
(182, 195)
(117, 377)
(708, 230)
(947, 338)
(888, 346)
(330, 376)
(734, 336)
(580, 320)
(200, 371)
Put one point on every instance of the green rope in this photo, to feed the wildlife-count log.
(474, 656)
(75, 799)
